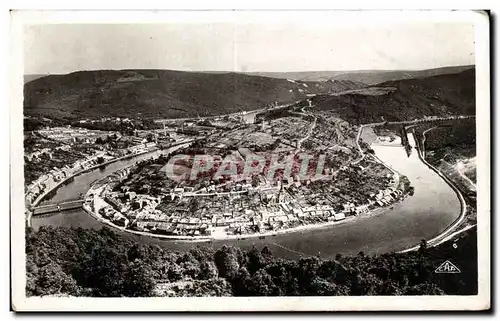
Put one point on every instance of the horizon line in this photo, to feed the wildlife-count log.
(248, 72)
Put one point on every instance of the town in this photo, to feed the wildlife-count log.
(143, 198)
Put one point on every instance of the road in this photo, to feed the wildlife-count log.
(463, 207)
(309, 132)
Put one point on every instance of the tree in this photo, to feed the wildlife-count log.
(389, 288)
(261, 284)
(191, 269)
(137, 251)
(309, 269)
(241, 283)
(174, 272)
(68, 261)
(423, 247)
(103, 271)
(321, 287)
(52, 280)
(424, 289)
(139, 280)
(226, 260)
(266, 253)
(208, 270)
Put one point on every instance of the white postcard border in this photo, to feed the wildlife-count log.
(18, 275)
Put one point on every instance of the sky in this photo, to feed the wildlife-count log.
(64, 48)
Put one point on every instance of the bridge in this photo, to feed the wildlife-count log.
(58, 207)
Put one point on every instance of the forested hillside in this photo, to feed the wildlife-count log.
(443, 95)
(162, 93)
(62, 261)
(369, 77)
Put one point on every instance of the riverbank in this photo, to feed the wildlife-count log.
(434, 240)
(95, 194)
(463, 206)
(198, 239)
(83, 171)
(40, 198)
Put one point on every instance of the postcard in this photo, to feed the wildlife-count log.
(250, 160)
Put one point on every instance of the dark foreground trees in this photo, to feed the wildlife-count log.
(63, 261)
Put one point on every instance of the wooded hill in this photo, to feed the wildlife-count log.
(63, 261)
(369, 77)
(162, 93)
(443, 95)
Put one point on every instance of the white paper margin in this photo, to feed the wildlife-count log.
(362, 303)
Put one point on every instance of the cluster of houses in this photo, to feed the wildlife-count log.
(111, 214)
(142, 147)
(251, 212)
(141, 213)
(117, 119)
(50, 180)
(387, 196)
(189, 128)
(71, 135)
(45, 151)
(231, 209)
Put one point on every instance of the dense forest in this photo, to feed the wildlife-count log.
(459, 134)
(80, 262)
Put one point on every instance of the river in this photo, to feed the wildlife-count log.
(432, 208)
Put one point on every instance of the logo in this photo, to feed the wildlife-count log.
(275, 167)
(447, 267)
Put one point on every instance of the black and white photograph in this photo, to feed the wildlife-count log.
(297, 160)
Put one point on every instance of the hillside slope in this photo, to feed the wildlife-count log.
(31, 77)
(161, 93)
(102, 263)
(300, 75)
(376, 77)
(333, 86)
(443, 95)
(370, 77)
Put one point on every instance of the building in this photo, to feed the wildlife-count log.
(339, 216)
